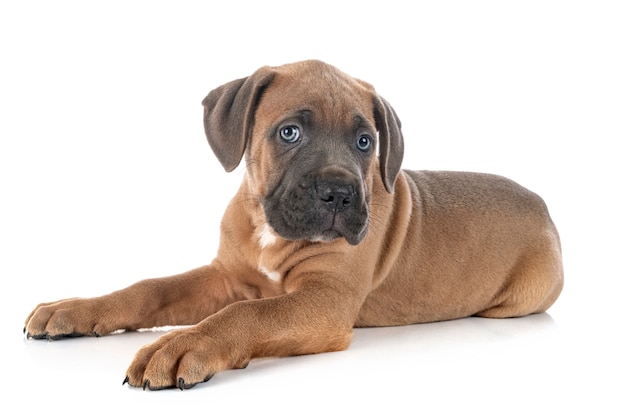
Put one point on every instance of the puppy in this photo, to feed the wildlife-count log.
(325, 233)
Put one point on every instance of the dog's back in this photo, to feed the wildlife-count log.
(481, 245)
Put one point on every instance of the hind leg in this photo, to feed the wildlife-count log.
(532, 287)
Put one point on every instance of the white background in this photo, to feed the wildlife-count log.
(106, 178)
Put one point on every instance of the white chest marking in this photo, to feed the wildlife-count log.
(266, 236)
(272, 275)
(266, 239)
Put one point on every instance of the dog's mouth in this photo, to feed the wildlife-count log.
(354, 235)
(319, 212)
(318, 231)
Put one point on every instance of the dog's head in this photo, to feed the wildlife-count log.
(310, 135)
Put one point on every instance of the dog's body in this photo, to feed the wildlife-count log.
(322, 236)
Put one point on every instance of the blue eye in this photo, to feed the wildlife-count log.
(290, 133)
(364, 143)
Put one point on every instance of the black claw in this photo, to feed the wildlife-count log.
(125, 380)
(146, 383)
(183, 386)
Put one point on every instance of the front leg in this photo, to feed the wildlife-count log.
(303, 322)
(182, 299)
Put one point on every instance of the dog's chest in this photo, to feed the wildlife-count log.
(267, 239)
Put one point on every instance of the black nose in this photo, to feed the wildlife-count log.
(336, 197)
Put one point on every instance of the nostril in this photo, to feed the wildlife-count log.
(337, 198)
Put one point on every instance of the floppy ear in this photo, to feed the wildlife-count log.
(229, 116)
(391, 141)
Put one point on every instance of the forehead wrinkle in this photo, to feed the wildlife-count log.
(336, 102)
(363, 123)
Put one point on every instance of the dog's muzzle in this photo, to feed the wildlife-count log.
(320, 208)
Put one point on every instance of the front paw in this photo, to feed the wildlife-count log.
(180, 359)
(67, 318)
